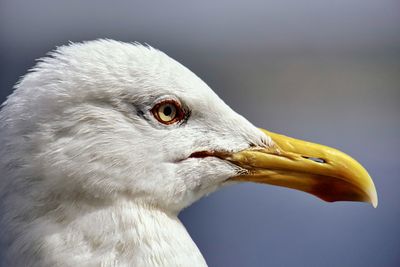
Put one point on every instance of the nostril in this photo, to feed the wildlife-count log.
(317, 160)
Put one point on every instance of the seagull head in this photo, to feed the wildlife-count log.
(104, 120)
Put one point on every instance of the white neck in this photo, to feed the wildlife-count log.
(122, 234)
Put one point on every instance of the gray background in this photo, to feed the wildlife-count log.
(327, 71)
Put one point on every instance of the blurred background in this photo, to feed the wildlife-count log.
(326, 71)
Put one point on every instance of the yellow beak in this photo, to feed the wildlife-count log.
(316, 169)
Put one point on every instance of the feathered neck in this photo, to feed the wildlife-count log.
(122, 234)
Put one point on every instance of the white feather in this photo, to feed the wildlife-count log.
(89, 177)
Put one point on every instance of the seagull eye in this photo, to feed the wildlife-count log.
(168, 112)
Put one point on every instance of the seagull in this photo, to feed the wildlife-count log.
(103, 143)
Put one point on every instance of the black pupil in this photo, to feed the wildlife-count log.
(167, 110)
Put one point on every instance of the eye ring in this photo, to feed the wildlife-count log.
(168, 112)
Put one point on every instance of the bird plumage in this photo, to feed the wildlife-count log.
(90, 177)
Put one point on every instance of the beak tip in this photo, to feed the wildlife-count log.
(374, 199)
(371, 196)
